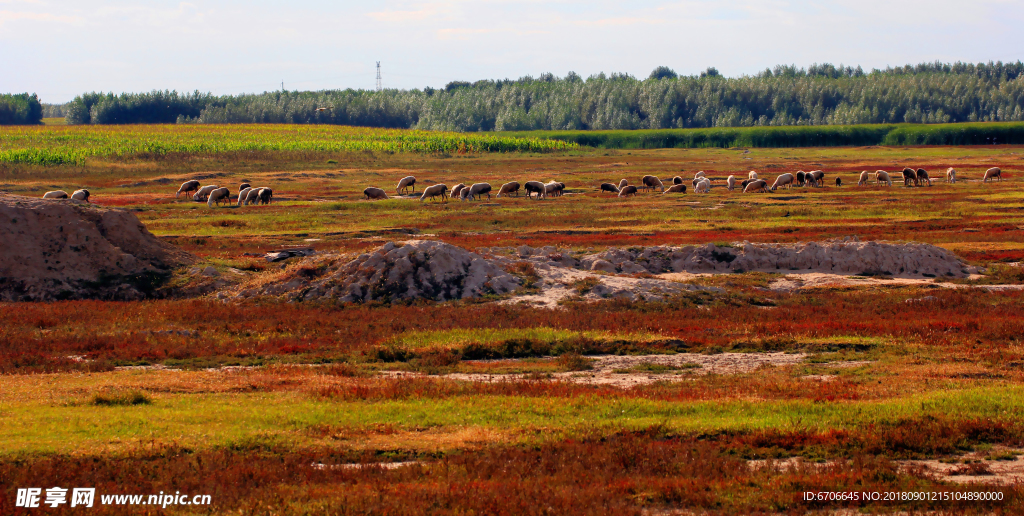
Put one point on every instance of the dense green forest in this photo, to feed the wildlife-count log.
(20, 109)
(783, 96)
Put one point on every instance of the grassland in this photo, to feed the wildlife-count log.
(257, 395)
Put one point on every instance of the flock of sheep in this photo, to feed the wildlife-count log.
(214, 195)
(700, 183)
(469, 192)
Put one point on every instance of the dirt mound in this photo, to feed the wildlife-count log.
(418, 269)
(846, 256)
(59, 249)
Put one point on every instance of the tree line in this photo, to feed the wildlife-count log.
(20, 109)
(822, 94)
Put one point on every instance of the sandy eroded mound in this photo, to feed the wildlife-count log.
(418, 269)
(426, 269)
(847, 256)
(60, 249)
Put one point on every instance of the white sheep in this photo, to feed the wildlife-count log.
(186, 187)
(203, 192)
(242, 195)
(783, 180)
(702, 186)
(433, 191)
(252, 197)
(56, 194)
(752, 175)
(699, 175)
(756, 185)
(993, 174)
(863, 178)
(511, 187)
(479, 189)
(553, 188)
(950, 175)
(406, 183)
(730, 182)
(218, 195)
(81, 195)
(623, 183)
(457, 190)
(882, 176)
(372, 193)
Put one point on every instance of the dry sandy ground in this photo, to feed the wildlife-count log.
(556, 284)
(609, 369)
(820, 279)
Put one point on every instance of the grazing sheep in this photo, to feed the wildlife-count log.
(863, 178)
(554, 188)
(243, 186)
(627, 190)
(457, 190)
(910, 176)
(186, 187)
(608, 187)
(242, 195)
(81, 195)
(535, 186)
(218, 195)
(746, 182)
(950, 175)
(652, 182)
(922, 176)
(253, 196)
(801, 178)
(623, 183)
(882, 176)
(406, 183)
(699, 174)
(993, 174)
(265, 195)
(464, 194)
(204, 192)
(679, 188)
(56, 194)
(373, 193)
(730, 182)
(783, 180)
(478, 189)
(509, 188)
(839, 181)
(677, 180)
(703, 186)
(433, 191)
(816, 177)
(752, 175)
(756, 185)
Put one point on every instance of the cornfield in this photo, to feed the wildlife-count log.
(56, 145)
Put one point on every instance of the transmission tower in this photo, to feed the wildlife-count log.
(378, 76)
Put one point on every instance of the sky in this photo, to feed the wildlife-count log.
(59, 49)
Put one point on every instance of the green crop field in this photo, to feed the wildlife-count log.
(51, 145)
(481, 406)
